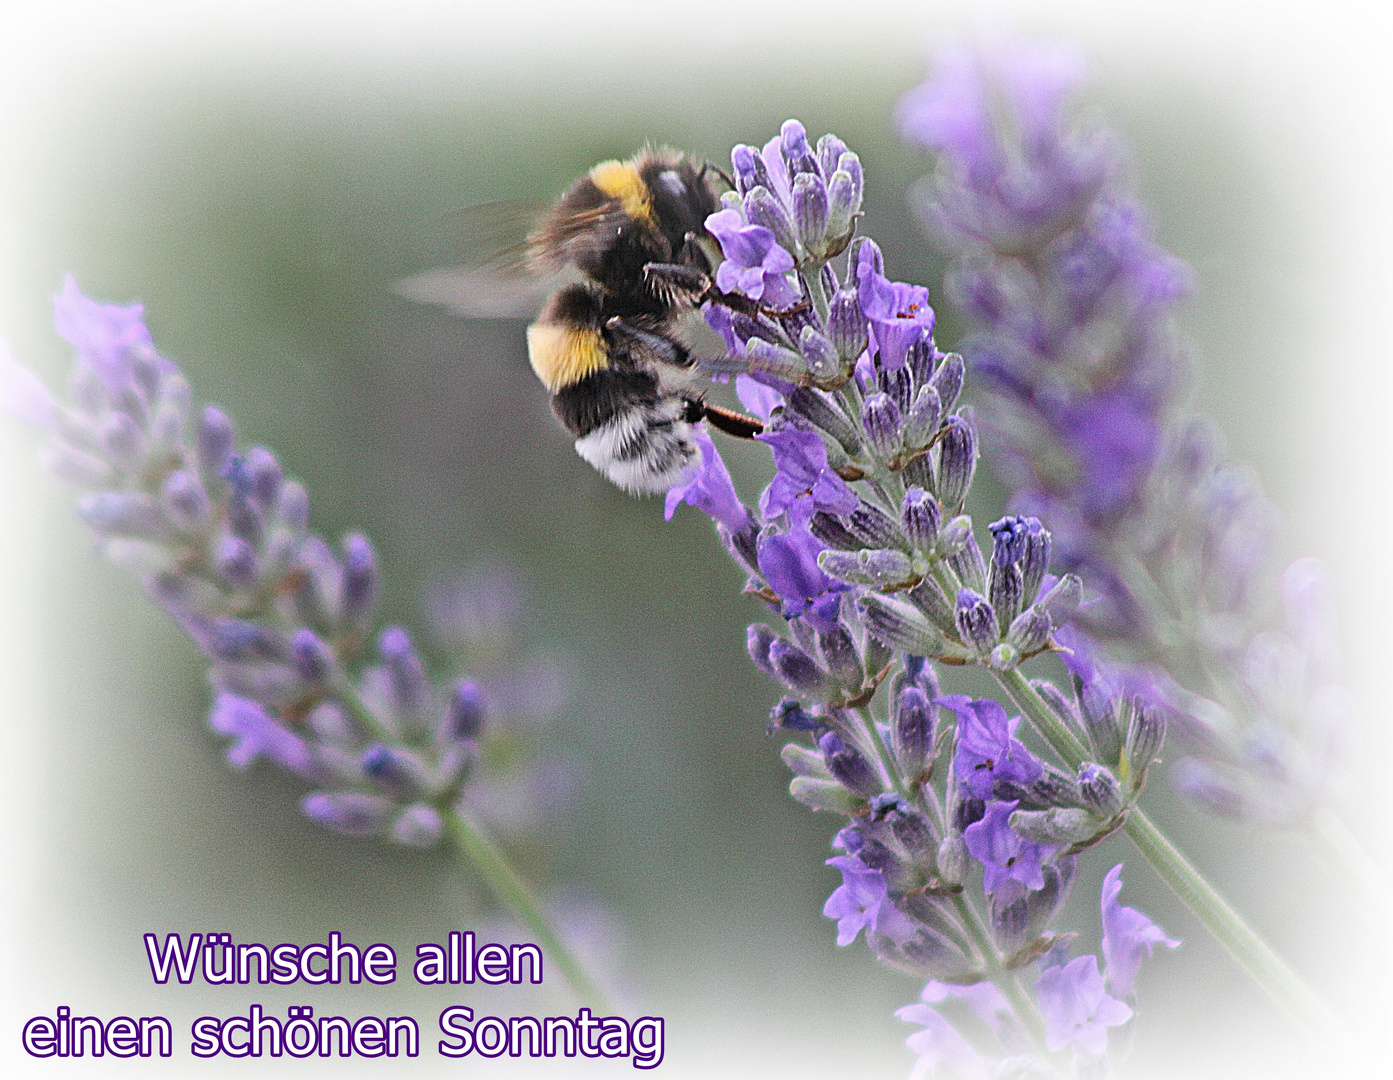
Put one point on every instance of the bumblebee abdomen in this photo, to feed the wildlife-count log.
(562, 355)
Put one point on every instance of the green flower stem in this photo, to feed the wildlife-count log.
(481, 853)
(1243, 943)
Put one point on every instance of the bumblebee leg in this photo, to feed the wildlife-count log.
(677, 285)
(726, 178)
(648, 344)
(732, 423)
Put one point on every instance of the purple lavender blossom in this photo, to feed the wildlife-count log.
(788, 562)
(1083, 379)
(1004, 854)
(861, 902)
(803, 482)
(1127, 934)
(988, 749)
(939, 1047)
(751, 254)
(710, 489)
(1077, 1008)
(899, 314)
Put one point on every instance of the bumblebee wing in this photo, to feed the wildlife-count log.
(483, 293)
(493, 235)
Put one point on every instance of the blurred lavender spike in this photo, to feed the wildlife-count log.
(1082, 379)
(218, 537)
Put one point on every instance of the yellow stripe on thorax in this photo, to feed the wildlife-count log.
(562, 355)
(620, 180)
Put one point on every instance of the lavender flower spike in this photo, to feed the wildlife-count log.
(219, 539)
(1082, 380)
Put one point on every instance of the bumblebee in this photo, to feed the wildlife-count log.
(607, 346)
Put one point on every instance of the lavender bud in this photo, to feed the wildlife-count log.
(795, 668)
(919, 671)
(900, 625)
(1145, 734)
(953, 859)
(921, 423)
(359, 578)
(912, 830)
(1098, 716)
(238, 641)
(750, 170)
(920, 517)
(880, 418)
(1100, 790)
(123, 441)
(1008, 540)
(775, 360)
(850, 164)
(123, 514)
(1057, 825)
(1004, 590)
(843, 203)
(977, 625)
(957, 460)
(847, 766)
(1030, 631)
(956, 535)
(236, 562)
(419, 825)
(873, 526)
(830, 530)
(793, 141)
(913, 725)
(810, 210)
(840, 657)
(76, 466)
(820, 410)
(293, 509)
(870, 566)
(790, 715)
(967, 562)
(464, 715)
(318, 584)
(818, 794)
(846, 325)
(215, 441)
(921, 356)
(1020, 922)
(948, 380)
(931, 600)
(264, 472)
(1063, 599)
(829, 152)
(899, 384)
(410, 687)
(347, 812)
(819, 353)
(1035, 560)
(313, 659)
(330, 724)
(399, 770)
(759, 638)
(762, 207)
(186, 503)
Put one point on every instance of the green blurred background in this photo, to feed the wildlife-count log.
(260, 186)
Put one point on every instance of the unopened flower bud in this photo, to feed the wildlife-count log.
(1035, 559)
(899, 384)
(419, 825)
(1063, 599)
(875, 566)
(819, 409)
(185, 501)
(953, 859)
(880, 418)
(913, 725)
(1004, 590)
(215, 441)
(1058, 825)
(775, 360)
(843, 204)
(839, 655)
(829, 151)
(359, 578)
(818, 794)
(410, 687)
(948, 380)
(349, 812)
(1100, 790)
(1145, 734)
(819, 353)
(922, 422)
(758, 640)
(921, 356)
(873, 526)
(977, 625)
(762, 207)
(865, 255)
(795, 668)
(967, 561)
(901, 625)
(957, 461)
(920, 517)
(793, 141)
(464, 715)
(313, 659)
(810, 210)
(1030, 631)
(847, 328)
(237, 562)
(848, 766)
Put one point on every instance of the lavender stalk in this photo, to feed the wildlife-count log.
(219, 538)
